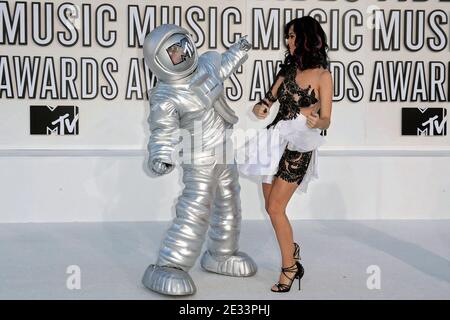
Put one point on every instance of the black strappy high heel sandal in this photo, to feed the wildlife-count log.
(299, 271)
(296, 251)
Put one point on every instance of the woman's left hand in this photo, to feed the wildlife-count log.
(312, 119)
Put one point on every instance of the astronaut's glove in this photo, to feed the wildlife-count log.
(160, 168)
(244, 44)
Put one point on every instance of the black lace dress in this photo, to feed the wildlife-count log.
(293, 164)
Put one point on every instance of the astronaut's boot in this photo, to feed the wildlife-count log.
(236, 265)
(168, 280)
(223, 256)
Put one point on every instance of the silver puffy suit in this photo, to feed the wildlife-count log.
(189, 101)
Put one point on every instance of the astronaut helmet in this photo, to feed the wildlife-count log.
(170, 53)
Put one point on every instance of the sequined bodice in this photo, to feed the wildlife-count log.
(291, 97)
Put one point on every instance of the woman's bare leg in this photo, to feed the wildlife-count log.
(280, 194)
(267, 188)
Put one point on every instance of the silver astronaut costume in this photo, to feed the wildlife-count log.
(189, 95)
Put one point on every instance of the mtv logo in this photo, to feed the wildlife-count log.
(180, 51)
(47, 120)
(424, 121)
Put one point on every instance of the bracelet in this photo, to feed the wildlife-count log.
(269, 96)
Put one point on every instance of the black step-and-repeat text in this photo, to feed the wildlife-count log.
(76, 68)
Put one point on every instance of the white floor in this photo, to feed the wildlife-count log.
(413, 257)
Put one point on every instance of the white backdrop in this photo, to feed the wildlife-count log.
(367, 168)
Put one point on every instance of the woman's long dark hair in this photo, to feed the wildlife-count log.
(311, 44)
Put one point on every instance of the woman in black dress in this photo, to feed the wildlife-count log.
(303, 85)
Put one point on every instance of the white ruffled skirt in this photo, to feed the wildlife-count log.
(261, 154)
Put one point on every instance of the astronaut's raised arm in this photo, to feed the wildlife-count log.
(164, 131)
(234, 57)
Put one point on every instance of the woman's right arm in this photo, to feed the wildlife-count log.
(261, 109)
